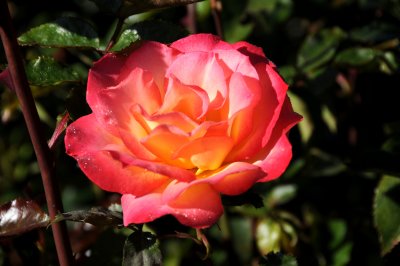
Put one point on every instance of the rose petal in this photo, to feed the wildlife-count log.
(275, 157)
(233, 61)
(96, 161)
(280, 86)
(265, 115)
(197, 206)
(255, 54)
(233, 179)
(201, 69)
(206, 153)
(210, 129)
(243, 93)
(177, 173)
(112, 105)
(190, 100)
(151, 56)
(138, 210)
(164, 141)
(200, 43)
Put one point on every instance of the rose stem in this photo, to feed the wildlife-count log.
(191, 17)
(216, 8)
(42, 151)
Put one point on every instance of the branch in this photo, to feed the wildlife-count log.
(42, 151)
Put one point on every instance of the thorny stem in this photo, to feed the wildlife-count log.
(216, 8)
(42, 151)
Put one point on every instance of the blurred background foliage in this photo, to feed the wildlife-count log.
(339, 201)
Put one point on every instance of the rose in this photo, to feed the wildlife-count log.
(174, 127)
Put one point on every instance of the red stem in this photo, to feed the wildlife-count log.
(42, 151)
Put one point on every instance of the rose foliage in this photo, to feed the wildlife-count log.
(174, 127)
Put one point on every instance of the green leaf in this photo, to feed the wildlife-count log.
(277, 259)
(97, 216)
(130, 7)
(375, 32)
(356, 56)
(319, 49)
(141, 249)
(280, 195)
(152, 30)
(268, 236)
(387, 212)
(20, 216)
(64, 32)
(45, 71)
(127, 37)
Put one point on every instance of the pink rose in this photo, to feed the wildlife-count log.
(174, 127)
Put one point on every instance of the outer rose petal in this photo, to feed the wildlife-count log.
(277, 160)
(96, 160)
(234, 179)
(275, 157)
(196, 206)
(112, 68)
(112, 105)
(200, 43)
(255, 53)
(264, 116)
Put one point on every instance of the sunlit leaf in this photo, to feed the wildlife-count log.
(141, 248)
(280, 195)
(64, 32)
(268, 236)
(389, 63)
(387, 212)
(20, 216)
(127, 37)
(96, 216)
(45, 71)
(277, 259)
(356, 56)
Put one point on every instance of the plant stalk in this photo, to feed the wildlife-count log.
(34, 125)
